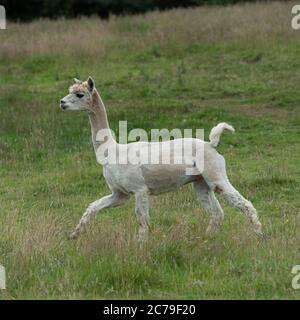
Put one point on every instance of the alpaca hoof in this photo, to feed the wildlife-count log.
(211, 231)
(142, 238)
(258, 229)
(142, 235)
(74, 235)
(259, 233)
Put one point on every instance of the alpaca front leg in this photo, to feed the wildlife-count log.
(142, 213)
(112, 200)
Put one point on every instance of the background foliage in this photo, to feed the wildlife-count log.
(30, 9)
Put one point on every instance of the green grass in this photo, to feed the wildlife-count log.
(48, 172)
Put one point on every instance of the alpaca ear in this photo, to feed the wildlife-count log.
(91, 84)
(77, 81)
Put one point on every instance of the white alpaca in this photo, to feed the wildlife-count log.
(142, 180)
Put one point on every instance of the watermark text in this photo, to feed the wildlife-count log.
(2, 278)
(296, 279)
(295, 23)
(2, 18)
(171, 147)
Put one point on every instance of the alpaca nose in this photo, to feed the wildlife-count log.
(62, 104)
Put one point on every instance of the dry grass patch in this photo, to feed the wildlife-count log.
(97, 38)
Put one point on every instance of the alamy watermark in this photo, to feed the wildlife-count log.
(2, 278)
(295, 23)
(296, 279)
(165, 147)
(2, 17)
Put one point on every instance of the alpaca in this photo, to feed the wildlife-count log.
(143, 180)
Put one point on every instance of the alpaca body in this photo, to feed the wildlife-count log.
(168, 173)
(162, 177)
(203, 166)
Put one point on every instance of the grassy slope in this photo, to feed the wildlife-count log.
(154, 78)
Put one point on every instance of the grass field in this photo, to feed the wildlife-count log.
(187, 68)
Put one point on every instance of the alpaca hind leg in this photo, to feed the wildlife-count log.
(211, 205)
(216, 177)
(236, 200)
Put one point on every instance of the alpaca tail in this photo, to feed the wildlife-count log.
(215, 134)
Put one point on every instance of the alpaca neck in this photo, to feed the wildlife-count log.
(98, 120)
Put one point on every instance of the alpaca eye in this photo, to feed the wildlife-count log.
(79, 95)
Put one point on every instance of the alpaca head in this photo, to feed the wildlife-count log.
(80, 96)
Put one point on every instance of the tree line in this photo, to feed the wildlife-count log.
(27, 10)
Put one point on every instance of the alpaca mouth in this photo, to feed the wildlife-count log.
(63, 106)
